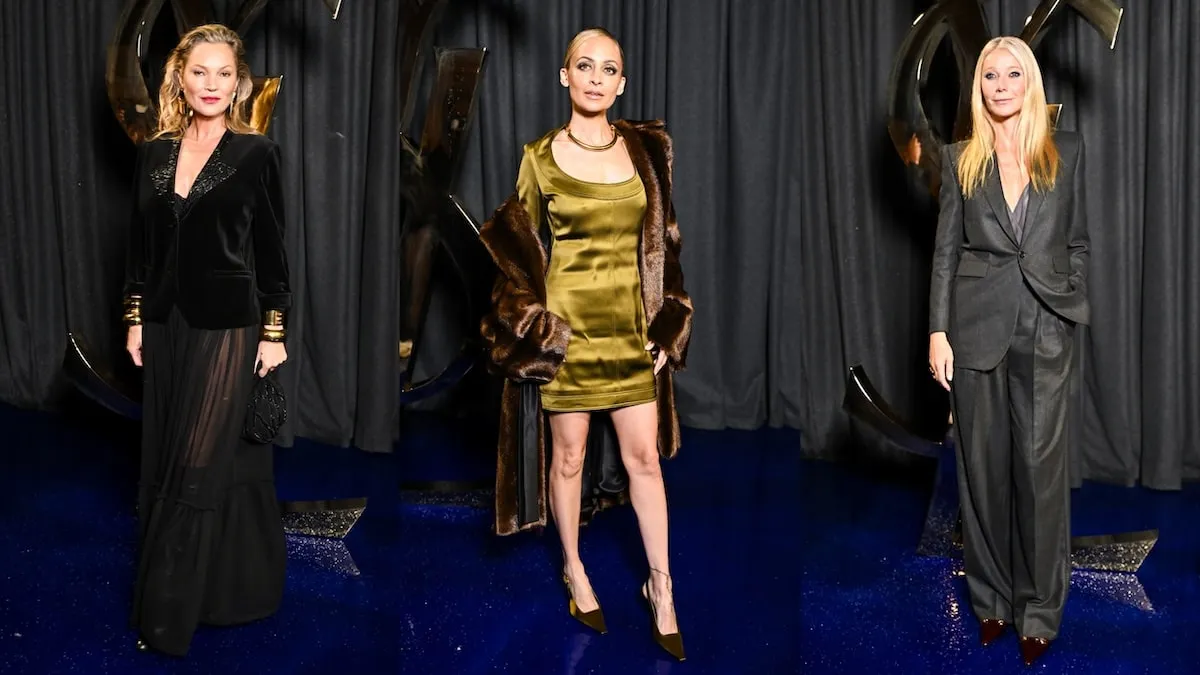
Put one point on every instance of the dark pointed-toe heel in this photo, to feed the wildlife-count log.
(1032, 649)
(593, 619)
(671, 643)
(991, 629)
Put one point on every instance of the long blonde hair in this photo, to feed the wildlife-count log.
(173, 112)
(585, 35)
(1034, 140)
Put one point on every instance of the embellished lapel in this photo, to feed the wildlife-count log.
(214, 172)
(994, 192)
(163, 176)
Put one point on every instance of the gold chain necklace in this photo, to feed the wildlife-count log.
(593, 148)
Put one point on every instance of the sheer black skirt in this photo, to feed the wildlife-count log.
(212, 547)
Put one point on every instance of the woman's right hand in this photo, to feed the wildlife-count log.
(133, 345)
(941, 359)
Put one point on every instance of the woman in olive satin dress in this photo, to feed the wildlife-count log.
(613, 316)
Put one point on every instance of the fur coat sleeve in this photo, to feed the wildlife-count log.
(671, 328)
(525, 341)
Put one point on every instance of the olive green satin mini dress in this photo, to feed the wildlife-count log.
(593, 282)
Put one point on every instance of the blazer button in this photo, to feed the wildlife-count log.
(1022, 254)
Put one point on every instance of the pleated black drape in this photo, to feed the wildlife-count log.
(1137, 108)
(63, 187)
(806, 246)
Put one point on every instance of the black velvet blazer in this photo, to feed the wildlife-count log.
(221, 260)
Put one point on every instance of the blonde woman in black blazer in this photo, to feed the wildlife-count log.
(206, 293)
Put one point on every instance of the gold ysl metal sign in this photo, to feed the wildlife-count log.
(127, 92)
(963, 20)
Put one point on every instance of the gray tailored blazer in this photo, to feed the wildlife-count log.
(981, 267)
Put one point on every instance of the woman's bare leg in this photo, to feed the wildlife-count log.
(637, 432)
(569, 433)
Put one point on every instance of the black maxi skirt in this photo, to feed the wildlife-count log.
(212, 547)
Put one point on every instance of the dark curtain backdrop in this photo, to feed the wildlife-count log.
(806, 245)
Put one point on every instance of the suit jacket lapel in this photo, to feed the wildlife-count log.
(214, 172)
(1036, 198)
(994, 192)
(163, 175)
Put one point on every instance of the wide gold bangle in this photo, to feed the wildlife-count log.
(273, 329)
(132, 315)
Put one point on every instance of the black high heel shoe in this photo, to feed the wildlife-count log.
(672, 643)
(593, 619)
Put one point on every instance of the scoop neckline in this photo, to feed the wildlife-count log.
(592, 183)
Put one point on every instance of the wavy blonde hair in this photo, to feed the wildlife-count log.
(1035, 143)
(174, 114)
(585, 35)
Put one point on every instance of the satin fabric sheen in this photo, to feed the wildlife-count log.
(592, 282)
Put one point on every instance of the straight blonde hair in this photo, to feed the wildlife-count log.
(1034, 139)
(173, 113)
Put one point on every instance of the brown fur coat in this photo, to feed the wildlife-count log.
(527, 343)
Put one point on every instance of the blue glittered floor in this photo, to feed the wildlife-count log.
(781, 566)
(435, 591)
(871, 605)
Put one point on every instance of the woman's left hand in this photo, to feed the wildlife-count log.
(270, 356)
(660, 357)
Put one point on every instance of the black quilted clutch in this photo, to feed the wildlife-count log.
(266, 411)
